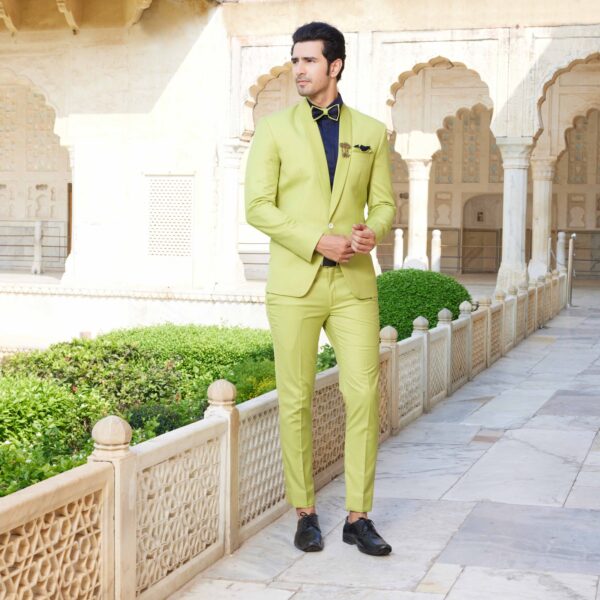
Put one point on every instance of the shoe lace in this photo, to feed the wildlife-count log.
(308, 519)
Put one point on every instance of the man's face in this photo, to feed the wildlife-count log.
(310, 68)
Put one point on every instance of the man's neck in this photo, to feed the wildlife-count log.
(325, 98)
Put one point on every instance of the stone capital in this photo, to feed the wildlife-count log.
(515, 151)
(231, 152)
(418, 168)
(543, 169)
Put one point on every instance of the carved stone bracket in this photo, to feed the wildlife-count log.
(73, 11)
(10, 14)
(134, 10)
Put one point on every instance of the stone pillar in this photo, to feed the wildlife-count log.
(388, 337)
(229, 268)
(421, 329)
(436, 250)
(542, 170)
(418, 170)
(112, 436)
(398, 248)
(515, 158)
(561, 252)
(36, 267)
(221, 400)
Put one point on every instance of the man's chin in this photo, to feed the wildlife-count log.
(303, 92)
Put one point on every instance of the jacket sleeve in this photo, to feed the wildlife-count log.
(262, 212)
(380, 200)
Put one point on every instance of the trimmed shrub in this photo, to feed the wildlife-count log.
(406, 294)
(44, 429)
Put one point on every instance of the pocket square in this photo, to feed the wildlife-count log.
(362, 148)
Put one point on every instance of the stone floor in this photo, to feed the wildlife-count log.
(494, 495)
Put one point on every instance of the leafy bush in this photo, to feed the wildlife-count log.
(44, 429)
(326, 358)
(407, 294)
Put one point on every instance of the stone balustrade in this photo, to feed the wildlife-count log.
(141, 521)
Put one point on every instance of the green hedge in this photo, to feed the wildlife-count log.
(407, 294)
(44, 429)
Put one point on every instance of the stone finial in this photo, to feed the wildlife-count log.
(221, 393)
(548, 276)
(485, 302)
(444, 316)
(512, 290)
(111, 437)
(499, 295)
(555, 273)
(388, 335)
(541, 279)
(465, 308)
(523, 285)
(420, 325)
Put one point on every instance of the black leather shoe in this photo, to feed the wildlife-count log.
(308, 536)
(362, 533)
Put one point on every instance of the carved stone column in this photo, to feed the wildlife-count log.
(542, 170)
(230, 270)
(418, 194)
(515, 157)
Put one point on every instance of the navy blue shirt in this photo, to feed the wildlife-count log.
(330, 134)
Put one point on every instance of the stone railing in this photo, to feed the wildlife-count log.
(139, 522)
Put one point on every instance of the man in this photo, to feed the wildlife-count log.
(312, 170)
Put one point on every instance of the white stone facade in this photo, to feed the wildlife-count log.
(156, 111)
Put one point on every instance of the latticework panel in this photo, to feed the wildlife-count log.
(540, 306)
(521, 316)
(170, 215)
(458, 356)
(496, 334)
(177, 511)
(509, 324)
(478, 343)
(328, 426)
(56, 555)
(385, 390)
(261, 484)
(531, 320)
(437, 367)
(410, 382)
(555, 297)
(547, 302)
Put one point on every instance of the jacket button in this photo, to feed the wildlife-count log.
(330, 225)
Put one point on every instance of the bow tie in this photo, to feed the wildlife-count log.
(332, 112)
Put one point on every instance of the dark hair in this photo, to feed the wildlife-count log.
(334, 44)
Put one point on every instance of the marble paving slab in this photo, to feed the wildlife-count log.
(417, 530)
(453, 410)
(424, 432)
(329, 592)
(486, 584)
(572, 403)
(503, 536)
(526, 466)
(586, 489)
(231, 590)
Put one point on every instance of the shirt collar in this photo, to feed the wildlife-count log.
(338, 100)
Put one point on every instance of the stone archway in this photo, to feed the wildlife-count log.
(35, 179)
(424, 98)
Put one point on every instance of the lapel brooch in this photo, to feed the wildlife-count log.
(345, 149)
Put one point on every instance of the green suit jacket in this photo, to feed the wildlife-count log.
(289, 196)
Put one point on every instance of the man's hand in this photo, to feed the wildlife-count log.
(335, 247)
(363, 239)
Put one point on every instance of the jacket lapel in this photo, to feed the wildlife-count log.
(317, 150)
(343, 162)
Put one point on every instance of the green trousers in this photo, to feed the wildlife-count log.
(352, 326)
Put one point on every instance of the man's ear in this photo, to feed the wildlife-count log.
(335, 67)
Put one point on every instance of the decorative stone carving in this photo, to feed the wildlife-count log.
(576, 211)
(41, 202)
(278, 93)
(10, 14)
(42, 145)
(471, 150)
(134, 10)
(73, 11)
(443, 208)
(7, 205)
(8, 128)
(496, 171)
(577, 149)
(443, 160)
